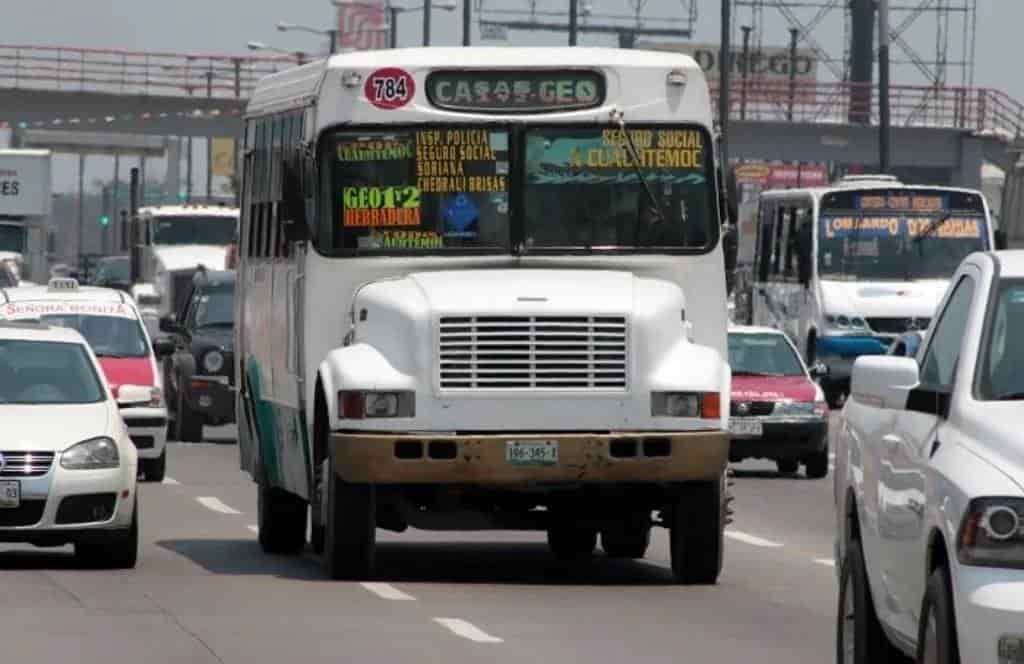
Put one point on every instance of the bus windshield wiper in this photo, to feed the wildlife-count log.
(932, 227)
(619, 118)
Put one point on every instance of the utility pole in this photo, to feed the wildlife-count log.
(332, 36)
(573, 21)
(724, 67)
(132, 230)
(746, 70)
(883, 86)
(794, 35)
(428, 5)
(80, 247)
(393, 26)
(467, 21)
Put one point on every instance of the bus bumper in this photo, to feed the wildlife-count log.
(628, 457)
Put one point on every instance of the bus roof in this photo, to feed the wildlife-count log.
(818, 192)
(189, 210)
(288, 87)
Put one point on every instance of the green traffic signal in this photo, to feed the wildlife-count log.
(104, 220)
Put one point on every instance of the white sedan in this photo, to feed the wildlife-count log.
(929, 484)
(67, 466)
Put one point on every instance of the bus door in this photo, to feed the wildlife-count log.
(781, 300)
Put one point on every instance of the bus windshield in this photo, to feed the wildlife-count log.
(12, 238)
(898, 234)
(179, 230)
(449, 188)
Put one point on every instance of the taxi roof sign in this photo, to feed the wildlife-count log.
(63, 284)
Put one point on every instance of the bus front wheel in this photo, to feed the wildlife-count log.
(282, 521)
(350, 529)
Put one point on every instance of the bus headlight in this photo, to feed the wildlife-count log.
(359, 404)
(992, 534)
(686, 404)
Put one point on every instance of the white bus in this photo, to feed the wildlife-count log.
(468, 300)
(846, 269)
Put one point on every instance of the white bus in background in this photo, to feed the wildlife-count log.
(174, 240)
(459, 311)
(846, 269)
(25, 206)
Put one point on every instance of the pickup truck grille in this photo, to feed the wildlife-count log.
(533, 352)
(25, 464)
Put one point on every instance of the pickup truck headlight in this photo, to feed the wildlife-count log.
(213, 361)
(91, 454)
(992, 533)
(686, 404)
(359, 404)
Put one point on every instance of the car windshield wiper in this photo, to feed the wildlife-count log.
(226, 323)
(619, 118)
(757, 373)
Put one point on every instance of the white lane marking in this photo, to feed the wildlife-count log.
(827, 562)
(753, 540)
(171, 481)
(215, 504)
(387, 591)
(467, 630)
(254, 529)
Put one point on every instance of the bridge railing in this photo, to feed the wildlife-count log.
(974, 109)
(133, 72)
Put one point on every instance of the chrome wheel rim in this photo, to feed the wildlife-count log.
(931, 641)
(849, 619)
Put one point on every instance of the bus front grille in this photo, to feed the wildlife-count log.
(533, 352)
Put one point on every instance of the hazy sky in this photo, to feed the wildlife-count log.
(224, 26)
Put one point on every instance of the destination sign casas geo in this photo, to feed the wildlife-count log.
(515, 91)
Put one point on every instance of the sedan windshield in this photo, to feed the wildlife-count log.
(179, 230)
(1001, 366)
(109, 336)
(46, 372)
(763, 355)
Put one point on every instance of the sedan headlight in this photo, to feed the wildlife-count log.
(213, 361)
(992, 533)
(91, 454)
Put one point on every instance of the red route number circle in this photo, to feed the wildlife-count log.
(390, 88)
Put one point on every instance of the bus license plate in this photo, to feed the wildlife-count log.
(10, 494)
(738, 427)
(532, 453)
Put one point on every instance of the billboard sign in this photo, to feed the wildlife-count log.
(781, 176)
(362, 26)
(25, 185)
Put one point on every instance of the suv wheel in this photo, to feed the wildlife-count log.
(936, 640)
(859, 635)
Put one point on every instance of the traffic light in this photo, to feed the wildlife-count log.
(105, 213)
(104, 219)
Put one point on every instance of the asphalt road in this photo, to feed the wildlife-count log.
(204, 592)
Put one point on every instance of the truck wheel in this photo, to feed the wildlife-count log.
(282, 520)
(188, 427)
(859, 635)
(350, 546)
(787, 466)
(817, 465)
(936, 641)
(696, 529)
(572, 543)
(153, 470)
(626, 541)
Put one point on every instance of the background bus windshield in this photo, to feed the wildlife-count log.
(12, 238)
(193, 230)
(898, 234)
(584, 189)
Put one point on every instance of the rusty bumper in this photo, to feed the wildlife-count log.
(471, 459)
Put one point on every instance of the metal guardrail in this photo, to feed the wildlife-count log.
(133, 72)
(972, 109)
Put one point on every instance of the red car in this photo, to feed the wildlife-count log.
(778, 411)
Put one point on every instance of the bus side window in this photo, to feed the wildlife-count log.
(765, 228)
(778, 241)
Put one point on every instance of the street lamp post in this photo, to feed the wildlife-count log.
(300, 56)
(394, 11)
(330, 33)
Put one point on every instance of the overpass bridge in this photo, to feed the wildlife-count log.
(947, 132)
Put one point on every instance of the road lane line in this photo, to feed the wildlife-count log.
(171, 481)
(254, 529)
(467, 630)
(753, 540)
(827, 562)
(215, 504)
(387, 591)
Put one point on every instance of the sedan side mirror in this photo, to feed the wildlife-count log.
(163, 347)
(884, 381)
(169, 324)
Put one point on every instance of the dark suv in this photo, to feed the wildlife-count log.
(199, 377)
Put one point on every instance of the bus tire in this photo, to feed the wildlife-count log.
(282, 521)
(350, 546)
(696, 532)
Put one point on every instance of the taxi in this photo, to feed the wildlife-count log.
(68, 469)
(110, 321)
(778, 411)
